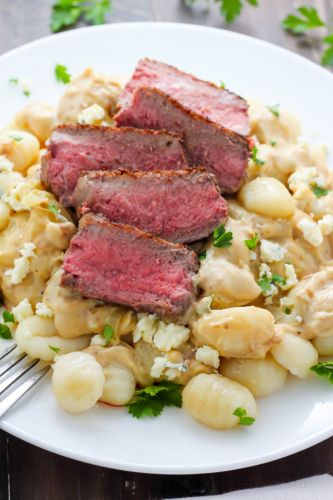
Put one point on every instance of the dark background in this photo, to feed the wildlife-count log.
(29, 473)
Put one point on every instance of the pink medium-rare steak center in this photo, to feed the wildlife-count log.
(204, 98)
(179, 206)
(123, 265)
(74, 149)
(220, 151)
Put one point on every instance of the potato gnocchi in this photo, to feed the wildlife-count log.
(265, 302)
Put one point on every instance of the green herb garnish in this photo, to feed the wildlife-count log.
(221, 237)
(327, 57)
(222, 85)
(8, 317)
(244, 419)
(16, 137)
(108, 332)
(276, 278)
(264, 283)
(26, 92)
(150, 401)
(61, 73)
(13, 81)
(273, 143)
(319, 191)
(202, 255)
(275, 110)
(308, 19)
(324, 369)
(54, 349)
(67, 12)
(252, 243)
(231, 9)
(53, 208)
(255, 158)
(5, 332)
(287, 310)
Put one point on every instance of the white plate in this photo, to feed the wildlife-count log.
(289, 421)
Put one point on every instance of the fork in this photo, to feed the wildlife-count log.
(13, 366)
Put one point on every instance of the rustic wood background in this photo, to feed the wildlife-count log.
(29, 473)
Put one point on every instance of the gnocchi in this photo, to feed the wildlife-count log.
(20, 147)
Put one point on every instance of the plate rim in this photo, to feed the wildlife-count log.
(300, 444)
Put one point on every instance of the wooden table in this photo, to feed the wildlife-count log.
(29, 473)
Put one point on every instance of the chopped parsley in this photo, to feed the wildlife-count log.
(287, 310)
(222, 85)
(5, 332)
(221, 237)
(255, 158)
(276, 278)
(54, 349)
(244, 419)
(8, 317)
(26, 92)
(108, 332)
(252, 243)
(202, 255)
(318, 191)
(16, 137)
(53, 208)
(13, 81)
(231, 9)
(307, 20)
(324, 369)
(150, 401)
(264, 283)
(273, 143)
(275, 110)
(61, 73)
(327, 57)
(66, 13)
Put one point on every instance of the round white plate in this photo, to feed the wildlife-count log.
(289, 421)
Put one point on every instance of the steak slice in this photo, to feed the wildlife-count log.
(123, 265)
(204, 98)
(74, 149)
(221, 151)
(179, 206)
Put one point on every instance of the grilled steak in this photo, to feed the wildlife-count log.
(221, 151)
(179, 206)
(204, 98)
(123, 265)
(77, 148)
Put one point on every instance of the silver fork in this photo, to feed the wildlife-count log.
(14, 365)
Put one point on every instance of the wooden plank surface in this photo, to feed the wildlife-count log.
(29, 473)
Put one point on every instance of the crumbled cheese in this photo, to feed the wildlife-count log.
(204, 305)
(290, 276)
(91, 115)
(271, 252)
(6, 164)
(21, 265)
(253, 255)
(208, 356)
(145, 328)
(311, 231)
(299, 319)
(23, 310)
(25, 196)
(326, 224)
(287, 301)
(303, 175)
(170, 336)
(43, 310)
(160, 364)
(265, 271)
(8, 180)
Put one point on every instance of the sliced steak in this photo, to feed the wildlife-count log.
(74, 149)
(204, 98)
(220, 150)
(179, 206)
(123, 265)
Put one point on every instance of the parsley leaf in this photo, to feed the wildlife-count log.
(8, 317)
(244, 419)
(264, 283)
(13, 81)
(222, 85)
(108, 332)
(54, 349)
(287, 310)
(273, 143)
(324, 369)
(308, 19)
(26, 92)
(327, 57)
(53, 208)
(275, 110)
(202, 255)
(67, 12)
(5, 332)
(61, 73)
(252, 243)
(319, 191)
(16, 137)
(231, 9)
(150, 401)
(276, 278)
(254, 157)
(221, 237)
